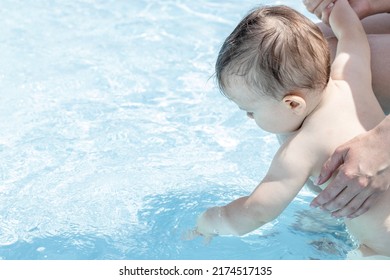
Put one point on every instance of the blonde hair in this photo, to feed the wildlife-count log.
(276, 50)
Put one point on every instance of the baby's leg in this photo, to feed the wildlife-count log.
(378, 30)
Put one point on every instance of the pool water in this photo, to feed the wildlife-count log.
(114, 136)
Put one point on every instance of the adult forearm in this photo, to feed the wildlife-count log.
(379, 6)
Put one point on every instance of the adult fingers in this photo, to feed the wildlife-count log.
(331, 165)
(350, 202)
(326, 13)
(354, 208)
(365, 206)
(345, 203)
(317, 6)
(329, 193)
(311, 5)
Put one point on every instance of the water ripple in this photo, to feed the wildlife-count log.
(113, 135)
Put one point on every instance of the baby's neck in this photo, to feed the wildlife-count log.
(317, 103)
(320, 101)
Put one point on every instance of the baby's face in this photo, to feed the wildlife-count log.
(268, 113)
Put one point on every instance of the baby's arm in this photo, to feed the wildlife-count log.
(285, 178)
(352, 61)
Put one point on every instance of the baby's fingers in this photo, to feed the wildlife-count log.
(207, 239)
(191, 234)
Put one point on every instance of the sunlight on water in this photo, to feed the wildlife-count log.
(114, 137)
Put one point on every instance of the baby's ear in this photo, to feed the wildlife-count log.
(295, 103)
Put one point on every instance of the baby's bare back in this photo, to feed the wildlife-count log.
(373, 227)
(341, 119)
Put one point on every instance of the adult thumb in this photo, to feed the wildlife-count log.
(331, 165)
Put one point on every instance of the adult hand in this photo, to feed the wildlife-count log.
(363, 173)
(363, 8)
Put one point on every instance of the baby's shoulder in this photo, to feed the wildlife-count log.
(300, 145)
(308, 148)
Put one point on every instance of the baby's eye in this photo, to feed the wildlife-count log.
(250, 115)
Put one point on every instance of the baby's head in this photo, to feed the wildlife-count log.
(272, 53)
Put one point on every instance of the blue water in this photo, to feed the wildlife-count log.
(114, 136)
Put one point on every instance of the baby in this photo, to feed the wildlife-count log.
(276, 67)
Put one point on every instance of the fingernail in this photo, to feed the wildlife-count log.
(317, 181)
(330, 5)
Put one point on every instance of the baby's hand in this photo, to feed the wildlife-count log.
(194, 233)
(206, 225)
(208, 222)
(191, 234)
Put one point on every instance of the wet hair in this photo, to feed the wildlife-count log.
(276, 50)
